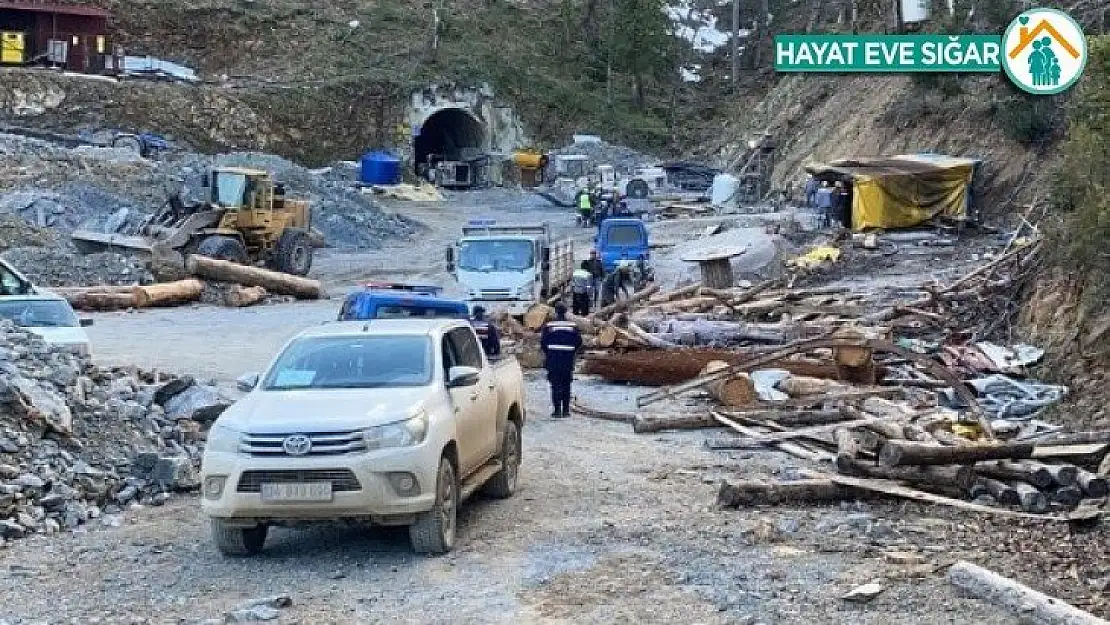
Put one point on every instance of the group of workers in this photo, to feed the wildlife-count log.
(833, 202)
(594, 205)
(560, 339)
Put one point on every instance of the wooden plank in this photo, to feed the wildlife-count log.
(790, 448)
(767, 439)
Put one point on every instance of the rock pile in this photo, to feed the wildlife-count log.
(63, 265)
(79, 442)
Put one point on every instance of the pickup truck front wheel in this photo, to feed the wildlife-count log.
(503, 484)
(434, 531)
(238, 541)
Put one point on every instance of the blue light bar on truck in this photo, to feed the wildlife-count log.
(427, 289)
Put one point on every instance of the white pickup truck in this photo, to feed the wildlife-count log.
(391, 421)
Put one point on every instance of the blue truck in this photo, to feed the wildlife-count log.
(388, 300)
(623, 239)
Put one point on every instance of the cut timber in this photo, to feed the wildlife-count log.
(1092, 484)
(803, 386)
(738, 390)
(1031, 606)
(607, 336)
(933, 478)
(754, 493)
(791, 418)
(616, 307)
(239, 296)
(1003, 493)
(1038, 476)
(1031, 499)
(104, 301)
(847, 449)
(768, 439)
(1075, 438)
(1093, 451)
(896, 453)
(1067, 496)
(642, 424)
(895, 490)
(793, 449)
(168, 293)
(272, 281)
(587, 411)
(537, 315)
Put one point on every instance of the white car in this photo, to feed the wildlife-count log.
(49, 316)
(390, 421)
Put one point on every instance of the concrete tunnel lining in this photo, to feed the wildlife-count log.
(449, 134)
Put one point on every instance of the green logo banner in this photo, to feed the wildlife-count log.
(888, 53)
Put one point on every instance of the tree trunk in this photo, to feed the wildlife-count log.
(847, 448)
(898, 453)
(169, 293)
(94, 301)
(537, 315)
(1038, 476)
(1031, 499)
(791, 418)
(239, 296)
(272, 281)
(1092, 484)
(940, 479)
(607, 311)
(737, 390)
(803, 386)
(1068, 496)
(643, 424)
(753, 493)
(1033, 607)
(1003, 493)
(607, 336)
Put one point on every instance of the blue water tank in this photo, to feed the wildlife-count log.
(380, 168)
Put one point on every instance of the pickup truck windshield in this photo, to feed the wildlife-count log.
(625, 235)
(352, 362)
(31, 313)
(492, 255)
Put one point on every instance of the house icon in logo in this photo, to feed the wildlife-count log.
(1046, 51)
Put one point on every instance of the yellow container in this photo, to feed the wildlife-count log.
(527, 160)
(12, 47)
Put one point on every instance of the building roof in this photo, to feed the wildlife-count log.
(50, 7)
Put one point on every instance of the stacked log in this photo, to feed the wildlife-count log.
(273, 281)
(737, 390)
(107, 298)
(239, 296)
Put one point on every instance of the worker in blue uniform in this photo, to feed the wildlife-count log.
(560, 342)
(487, 333)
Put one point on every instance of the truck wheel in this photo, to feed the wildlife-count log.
(434, 531)
(293, 253)
(223, 248)
(238, 541)
(503, 484)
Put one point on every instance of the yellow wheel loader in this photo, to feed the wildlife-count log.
(244, 218)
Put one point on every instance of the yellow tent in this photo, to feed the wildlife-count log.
(903, 191)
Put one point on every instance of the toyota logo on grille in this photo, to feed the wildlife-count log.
(297, 445)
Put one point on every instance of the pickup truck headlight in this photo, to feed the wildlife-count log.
(406, 433)
(223, 440)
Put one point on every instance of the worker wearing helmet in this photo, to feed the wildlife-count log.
(584, 204)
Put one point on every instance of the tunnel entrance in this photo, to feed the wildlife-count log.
(451, 134)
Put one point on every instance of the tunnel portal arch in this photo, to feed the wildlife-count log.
(448, 134)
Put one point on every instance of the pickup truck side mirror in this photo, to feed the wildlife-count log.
(246, 382)
(462, 376)
(85, 322)
(450, 256)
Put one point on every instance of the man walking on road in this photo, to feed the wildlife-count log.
(560, 342)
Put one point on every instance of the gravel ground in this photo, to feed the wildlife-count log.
(608, 526)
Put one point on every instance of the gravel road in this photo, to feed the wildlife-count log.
(608, 526)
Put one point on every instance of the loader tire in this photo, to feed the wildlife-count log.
(223, 248)
(293, 254)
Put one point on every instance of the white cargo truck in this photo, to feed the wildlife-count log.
(509, 267)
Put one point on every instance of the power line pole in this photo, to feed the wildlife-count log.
(735, 40)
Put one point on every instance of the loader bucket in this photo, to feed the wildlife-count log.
(89, 242)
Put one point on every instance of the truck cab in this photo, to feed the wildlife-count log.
(622, 239)
(385, 300)
(509, 267)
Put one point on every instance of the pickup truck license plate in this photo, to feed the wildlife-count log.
(303, 491)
